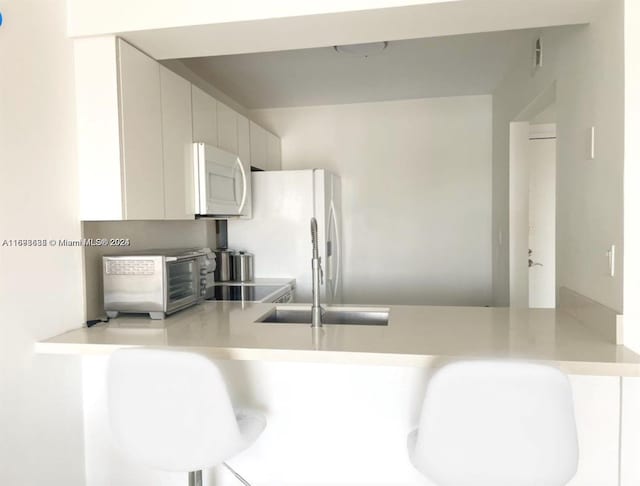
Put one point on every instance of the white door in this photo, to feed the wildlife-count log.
(223, 182)
(542, 222)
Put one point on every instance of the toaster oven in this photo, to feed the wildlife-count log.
(158, 282)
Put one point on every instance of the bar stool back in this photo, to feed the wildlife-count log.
(493, 423)
(170, 410)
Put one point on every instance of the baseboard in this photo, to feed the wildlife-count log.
(600, 318)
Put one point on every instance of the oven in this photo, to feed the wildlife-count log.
(158, 283)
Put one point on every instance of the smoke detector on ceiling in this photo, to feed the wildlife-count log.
(362, 50)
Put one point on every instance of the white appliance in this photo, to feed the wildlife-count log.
(279, 233)
(223, 182)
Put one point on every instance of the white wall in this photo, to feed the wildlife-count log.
(40, 288)
(143, 235)
(416, 188)
(588, 67)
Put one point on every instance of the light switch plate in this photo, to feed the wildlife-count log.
(592, 143)
(611, 254)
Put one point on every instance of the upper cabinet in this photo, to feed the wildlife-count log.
(227, 129)
(258, 138)
(179, 188)
(274, 152)
(265, 148)
(119, 128)
(141, 134)
(244, 141)
(136, 124)
(205, 117)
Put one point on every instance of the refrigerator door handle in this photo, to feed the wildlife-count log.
(335, 276)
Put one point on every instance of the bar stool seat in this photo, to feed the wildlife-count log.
(496, 423)
(170, 410)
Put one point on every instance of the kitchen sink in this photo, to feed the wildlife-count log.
(377, 316)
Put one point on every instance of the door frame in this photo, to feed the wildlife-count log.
(519, 133)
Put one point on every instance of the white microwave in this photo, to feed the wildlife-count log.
(223, 182)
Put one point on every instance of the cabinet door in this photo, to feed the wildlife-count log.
(244, 152)
(258, 137)
(98, 129)
(630, 430)
(597, 407)
(227, 129)
(274, 152)
(244, 140)
(177, 146)
(141, 132)
(205, 118)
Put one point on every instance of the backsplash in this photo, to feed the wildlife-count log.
(142, 235)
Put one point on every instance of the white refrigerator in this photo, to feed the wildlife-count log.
(279, 233)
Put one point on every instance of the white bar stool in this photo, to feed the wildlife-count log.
(170, 410)
(493, 423)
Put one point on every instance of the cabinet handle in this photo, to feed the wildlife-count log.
(244, 185)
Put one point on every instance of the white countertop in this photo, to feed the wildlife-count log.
(415, 336)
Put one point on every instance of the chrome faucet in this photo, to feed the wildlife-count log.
(316, 277)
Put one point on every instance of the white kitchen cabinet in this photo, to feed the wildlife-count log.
(274, 152)
(258, 136)
(597, 408)
(136, 122)
(205, 117)
(630, 432)
(177, 146)
(119, 131)
(141, 125)
(244, 139)
(227, 128)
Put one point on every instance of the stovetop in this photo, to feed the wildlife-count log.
(247, 293)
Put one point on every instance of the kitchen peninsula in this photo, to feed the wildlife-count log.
(414, 336)
(356, 390)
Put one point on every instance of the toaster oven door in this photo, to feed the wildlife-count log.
(133, 284)
(183, 283)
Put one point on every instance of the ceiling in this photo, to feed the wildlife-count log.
(420, 68)
(178, 29)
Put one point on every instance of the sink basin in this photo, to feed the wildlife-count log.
(331, 315)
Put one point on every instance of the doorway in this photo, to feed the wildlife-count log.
(532, 205)
(542, 216)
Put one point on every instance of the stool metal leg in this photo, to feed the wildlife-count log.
(236, 474)
(195, 478)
